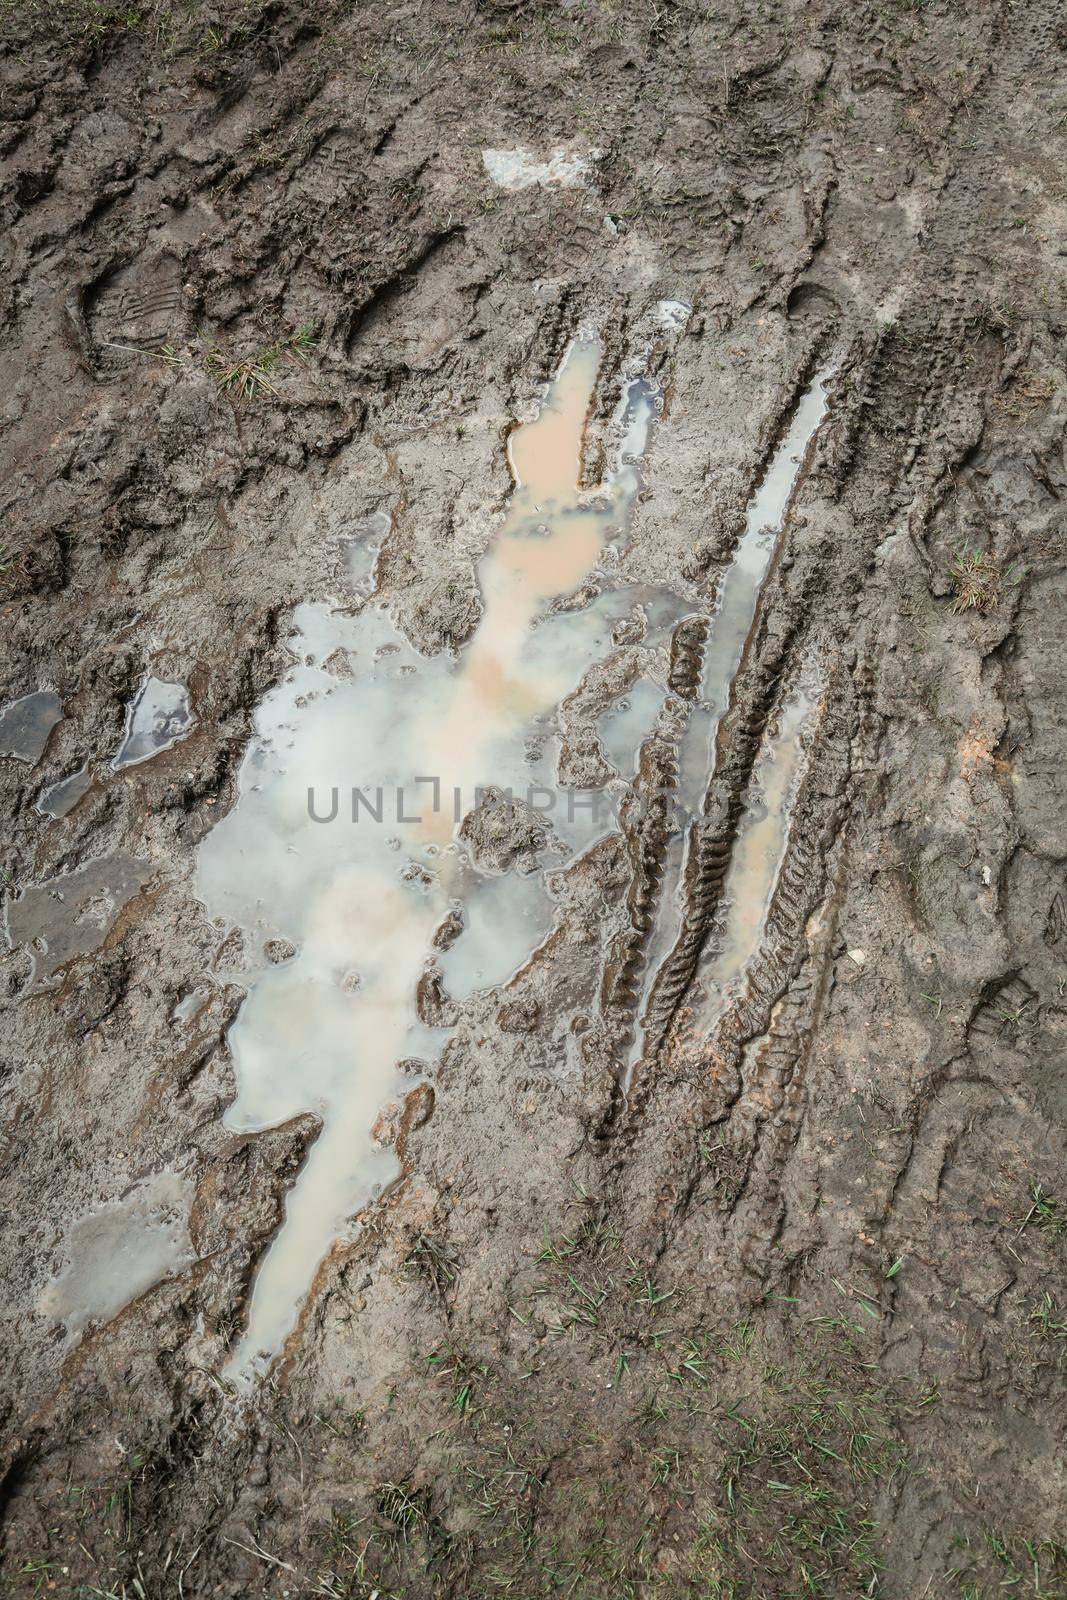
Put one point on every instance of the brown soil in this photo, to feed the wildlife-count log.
(791, 1319)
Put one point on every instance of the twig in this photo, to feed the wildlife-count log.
(256, 1549)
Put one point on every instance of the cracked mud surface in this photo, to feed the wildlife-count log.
(688, 1286)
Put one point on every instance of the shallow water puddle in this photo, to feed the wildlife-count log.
(734, 614)
(26, 723)
(118, 1252)
(361, 549)
(764, 519)
(61, 797)
(156, 718)
(72, 913)
(345, 838)
(624, 726)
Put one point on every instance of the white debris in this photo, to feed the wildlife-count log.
(522, 168)
(672, 314)
(858, 956)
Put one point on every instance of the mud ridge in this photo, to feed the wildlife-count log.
(647, 824)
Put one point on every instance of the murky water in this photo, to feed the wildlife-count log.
(71, 914)
(156, 718)
(362, 547)
(393, 757)
(26, 723)
(118, 1252)
(764, 520)
(734, 613)
(61, 797)
(626, 725)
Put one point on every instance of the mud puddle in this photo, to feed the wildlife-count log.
(757, 858)
(61, 797)
(734, 613)
(157, 717)
(357, 836)
(26, 723)
(120, 1251)
(625, 726)
(72, 913)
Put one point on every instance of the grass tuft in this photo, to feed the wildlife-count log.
(977, 578)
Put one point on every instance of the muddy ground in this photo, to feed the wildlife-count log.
(790, 1318)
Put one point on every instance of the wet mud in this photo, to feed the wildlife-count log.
(535, 889)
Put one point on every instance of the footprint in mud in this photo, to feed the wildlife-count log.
(59, 798)
(136, 307)
(345, 840)
(624, 726)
